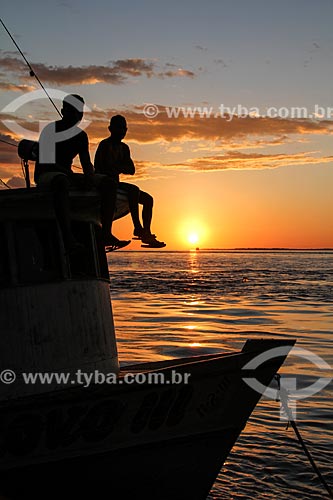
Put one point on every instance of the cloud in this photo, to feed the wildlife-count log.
(238, 132)
(10, 161)
(8, 172)
(204, 138)
(246, 143)
(8, 149)
(163, 128)
(145, 170)
(254, 161)
(16, 182)
(114, 73)
(178, 72)
(222, 62)
(16, 88)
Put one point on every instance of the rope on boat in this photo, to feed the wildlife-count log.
(284, 396)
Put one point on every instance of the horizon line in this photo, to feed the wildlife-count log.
(235, 249)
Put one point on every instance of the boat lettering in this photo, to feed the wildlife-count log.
(214, 399)
(167, 407)
(59, 427)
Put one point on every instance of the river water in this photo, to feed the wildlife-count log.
(176, 304)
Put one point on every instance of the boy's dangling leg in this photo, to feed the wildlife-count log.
(147, 203)
(108, 191)
(148, 239)
(133, 194)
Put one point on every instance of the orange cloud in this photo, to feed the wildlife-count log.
(175, 71)
(241, 161)
(8, 149)
(16, 182)
(239, 132)
(163, 128)
(16, 88)
(207, 135)
(114, 73)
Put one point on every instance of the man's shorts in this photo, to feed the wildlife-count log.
(76, 180)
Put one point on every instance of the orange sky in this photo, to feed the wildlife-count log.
(245, 179)
(229, 190)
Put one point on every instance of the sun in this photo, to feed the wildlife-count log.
(192, 232)
(193, 238)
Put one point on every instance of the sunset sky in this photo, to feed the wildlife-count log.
(247, 180)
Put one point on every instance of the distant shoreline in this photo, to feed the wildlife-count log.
(235, 250)
(270, 249)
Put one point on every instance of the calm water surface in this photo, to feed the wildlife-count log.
(174, 304)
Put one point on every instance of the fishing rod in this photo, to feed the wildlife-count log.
(10, 143)
(32, 74)
(31, 70)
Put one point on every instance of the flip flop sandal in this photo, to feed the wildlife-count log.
(140, 236)
(154, 244)
(116, 245)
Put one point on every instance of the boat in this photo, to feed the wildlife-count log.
(159, 430)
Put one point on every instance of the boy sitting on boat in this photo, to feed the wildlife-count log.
(113, 158)
(59, 143)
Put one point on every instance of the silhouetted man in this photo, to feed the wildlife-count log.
(112, 158)
(59, 143)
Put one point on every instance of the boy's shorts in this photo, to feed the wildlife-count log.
(76, 180)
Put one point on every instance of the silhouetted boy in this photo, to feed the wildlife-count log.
(113, 158)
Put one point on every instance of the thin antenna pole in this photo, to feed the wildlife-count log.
(32, 73)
